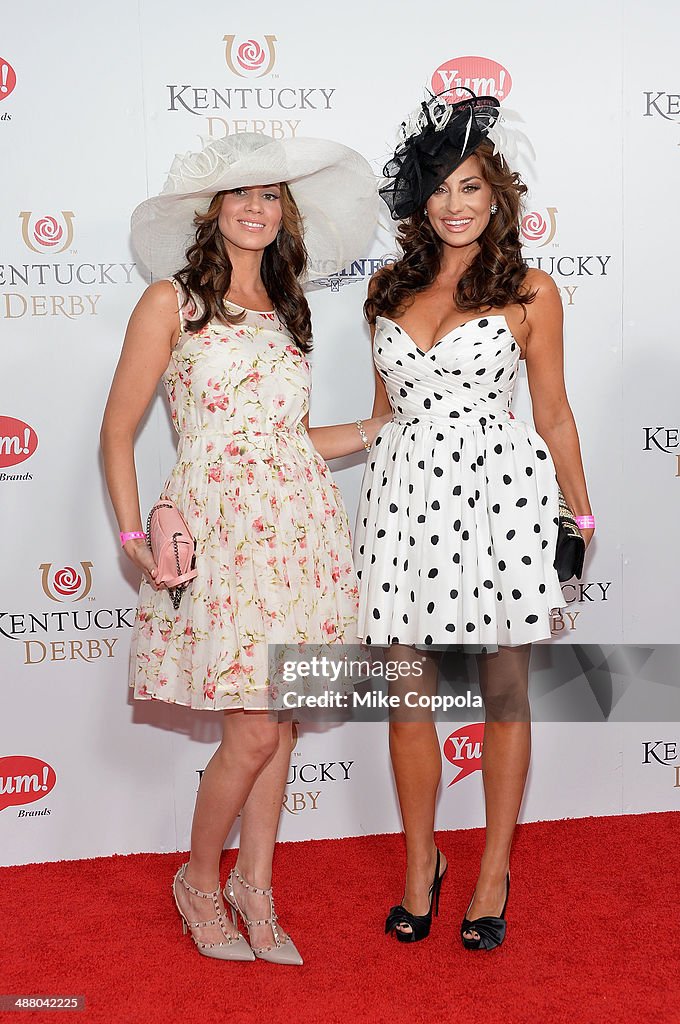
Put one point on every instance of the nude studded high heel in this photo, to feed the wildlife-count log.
(284, 950)
(233, 947)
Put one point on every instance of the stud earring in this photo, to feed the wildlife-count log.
(425, 212)
(493, 208)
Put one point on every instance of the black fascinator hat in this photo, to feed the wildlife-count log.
(436, 139)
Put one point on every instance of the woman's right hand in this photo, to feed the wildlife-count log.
(139, 553)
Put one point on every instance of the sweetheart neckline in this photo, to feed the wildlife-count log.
(474, 320)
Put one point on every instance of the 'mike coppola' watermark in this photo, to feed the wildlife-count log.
(379, 700)
(567, 683)
(350, 681)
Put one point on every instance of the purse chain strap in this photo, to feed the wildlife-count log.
(174, 592)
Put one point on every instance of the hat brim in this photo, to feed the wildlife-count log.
(333, 187)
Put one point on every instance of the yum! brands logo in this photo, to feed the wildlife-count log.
(463, 749)
(23, 780)
(66, 584)
(48, 233)
(486, 77)
(250, 59)
(538, 227)
(8, 79)
(18, 441)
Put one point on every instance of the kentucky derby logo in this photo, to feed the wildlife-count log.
(47, 234)
(463, 749)
(662, 104)
(66, 584)
(538, 227)
(8, 79)
(663, 439)
(486, 77)
(250, 59)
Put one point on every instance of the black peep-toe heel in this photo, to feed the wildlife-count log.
(419, 924)
(491, 930)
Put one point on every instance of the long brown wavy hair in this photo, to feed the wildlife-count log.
(206, 278)
(494, 279)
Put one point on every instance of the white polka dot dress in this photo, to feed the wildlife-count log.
(458, 515)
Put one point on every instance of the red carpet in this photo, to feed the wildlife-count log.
(592, 935)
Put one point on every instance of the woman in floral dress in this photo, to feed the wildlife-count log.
(228, 336)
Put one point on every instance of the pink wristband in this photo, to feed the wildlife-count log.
(585, 522)
(134, 535)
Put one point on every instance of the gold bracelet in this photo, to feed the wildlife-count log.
(364, 435)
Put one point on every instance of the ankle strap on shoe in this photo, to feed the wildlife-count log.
(196, 892)
(249, 887)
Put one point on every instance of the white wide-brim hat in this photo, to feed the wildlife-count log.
(333, 186)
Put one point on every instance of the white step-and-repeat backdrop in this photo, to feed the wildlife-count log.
(93, 108)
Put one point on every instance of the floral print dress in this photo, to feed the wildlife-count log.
(273, 549)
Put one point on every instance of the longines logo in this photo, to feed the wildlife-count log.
(47, 234)
(538, 227)
(66, 584)
(463, 749)
(35, 631)
(664, 753)
(357, 271)
(229, 110)
(250, 59)
(663, 439)
(662, 104)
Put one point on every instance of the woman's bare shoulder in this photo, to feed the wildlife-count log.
(541, 283)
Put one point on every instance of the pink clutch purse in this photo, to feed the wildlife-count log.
(173, 548)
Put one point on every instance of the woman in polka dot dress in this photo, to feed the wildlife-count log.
(458, 518)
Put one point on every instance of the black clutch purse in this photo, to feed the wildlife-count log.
(571, 547)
